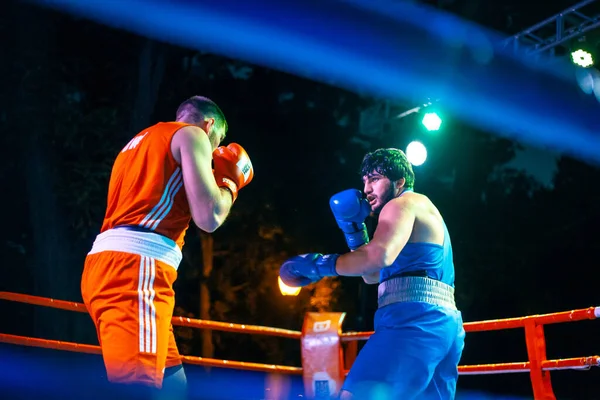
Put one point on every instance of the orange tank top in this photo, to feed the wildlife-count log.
(146, 186)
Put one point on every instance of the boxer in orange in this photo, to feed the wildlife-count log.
(161, 179)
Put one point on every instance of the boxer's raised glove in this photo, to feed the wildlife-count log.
(232, 168)
(350, 210)
(308, 268)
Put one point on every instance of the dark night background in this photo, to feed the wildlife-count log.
(74, 92)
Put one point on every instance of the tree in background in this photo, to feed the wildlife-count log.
(248, 250)
(31, 120)
(69, 127)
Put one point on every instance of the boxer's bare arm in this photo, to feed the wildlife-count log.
(394, 228)
(371, 278)
(209, 204)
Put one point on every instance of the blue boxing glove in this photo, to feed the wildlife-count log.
(308, 268)
(350, 210)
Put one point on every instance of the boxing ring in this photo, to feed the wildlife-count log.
(481, 79)
(328, 353)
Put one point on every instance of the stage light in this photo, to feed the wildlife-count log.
(582, 58)
(432, 121)
(416, 153)
(287, 290)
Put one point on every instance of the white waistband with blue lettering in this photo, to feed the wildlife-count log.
(145, 244)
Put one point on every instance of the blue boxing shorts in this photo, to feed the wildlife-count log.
(413, 354)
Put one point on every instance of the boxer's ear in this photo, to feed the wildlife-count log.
(399, 184)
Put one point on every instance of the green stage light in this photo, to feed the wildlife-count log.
(432, 121)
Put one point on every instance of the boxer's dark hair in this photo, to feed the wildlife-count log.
(197, 108)
(391, 163)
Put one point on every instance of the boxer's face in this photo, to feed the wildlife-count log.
(215, 135)
(379, 190)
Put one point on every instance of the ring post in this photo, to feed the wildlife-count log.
(322, 358)
(536, 350)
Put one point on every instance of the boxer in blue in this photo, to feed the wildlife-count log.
(419, 337)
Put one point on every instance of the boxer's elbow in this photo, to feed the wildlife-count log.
(381, 256)
(371, 278)
(208, 219)
(212, 213)
(206, 223)
(213, 224)
(204, 211)
(378, 258)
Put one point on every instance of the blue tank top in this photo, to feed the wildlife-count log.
(434, 260)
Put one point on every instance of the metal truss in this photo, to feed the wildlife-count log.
(544, 38)
(561, 29)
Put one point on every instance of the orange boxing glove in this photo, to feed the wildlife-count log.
(232, 168)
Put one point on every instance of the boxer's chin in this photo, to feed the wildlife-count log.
(376, 207)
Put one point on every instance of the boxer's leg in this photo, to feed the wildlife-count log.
(130, 299)
(174, 384)
(174, 381)
(395, 363)
(445, 377)
(400, 358)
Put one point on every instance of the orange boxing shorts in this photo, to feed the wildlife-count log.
(127, 287)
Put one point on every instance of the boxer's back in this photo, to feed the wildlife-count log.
(429, 248)
(429, 224)
(146, 186)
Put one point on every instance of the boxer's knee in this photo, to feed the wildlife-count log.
(174, 385)
(371, 390)
(130, 391)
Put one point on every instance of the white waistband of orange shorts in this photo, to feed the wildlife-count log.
(145, 244)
